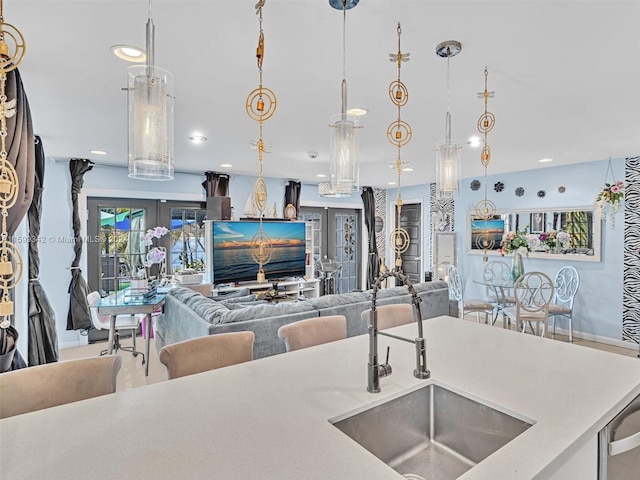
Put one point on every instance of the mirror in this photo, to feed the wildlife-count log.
(552, 233)
(444, 254)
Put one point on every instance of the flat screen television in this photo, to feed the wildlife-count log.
(230, 251)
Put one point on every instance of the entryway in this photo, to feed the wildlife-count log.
(337, 236)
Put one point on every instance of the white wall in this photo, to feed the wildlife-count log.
(598, 304)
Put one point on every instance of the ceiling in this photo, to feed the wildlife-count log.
(566, 76)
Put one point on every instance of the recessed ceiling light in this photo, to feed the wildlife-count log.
(545, 160)
(226, 165)
(407, 169)
(98, 152)
(474, 141)
(129, 53)
(321, 175)
(198, 138)
(391, 183)
(357, 111)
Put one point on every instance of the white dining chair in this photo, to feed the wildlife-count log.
(123, 322)
(533, 292)
(466, 306)
(567, 283)
(497, 276)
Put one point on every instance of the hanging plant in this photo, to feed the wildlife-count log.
(610, 197)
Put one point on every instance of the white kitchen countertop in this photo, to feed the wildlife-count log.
(269, 419)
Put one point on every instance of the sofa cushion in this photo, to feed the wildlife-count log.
(208, 309)
(182, 293)
(243, 299)
(242, 292)
(237, 305)
(265, 311)
(328, 301)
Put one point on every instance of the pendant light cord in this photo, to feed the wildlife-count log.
(447, 127)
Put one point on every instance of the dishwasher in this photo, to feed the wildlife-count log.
(619, 445)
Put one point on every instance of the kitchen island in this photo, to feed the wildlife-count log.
(271, 418)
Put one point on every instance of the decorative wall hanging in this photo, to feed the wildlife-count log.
(11, 264)
(498, 187)
(485, 208)
(561, 189)
(519, 192)
(260, 105)
(475, 185)
(610, 197)
(150, 105)
(541, 193)
(399, 134)
(343, 160)
(448, 151)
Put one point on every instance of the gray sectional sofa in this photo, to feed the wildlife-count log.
(187, 314)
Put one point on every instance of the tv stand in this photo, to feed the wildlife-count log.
(290, 288)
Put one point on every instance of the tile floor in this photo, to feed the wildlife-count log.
(132, 371)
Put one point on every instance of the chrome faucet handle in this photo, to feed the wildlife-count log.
(384, 370)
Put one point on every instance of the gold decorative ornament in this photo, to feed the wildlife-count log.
(485, 209)
(399, 133)
(12, 50)
(260, 105)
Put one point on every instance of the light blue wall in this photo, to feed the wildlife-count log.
(598, 304)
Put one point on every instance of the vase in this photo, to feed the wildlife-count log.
(517, 266)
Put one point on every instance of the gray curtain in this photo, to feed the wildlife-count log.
(373, 261)
(21, 154)
(43, 336)
(216, 184)
(79, 316)
(292, 196)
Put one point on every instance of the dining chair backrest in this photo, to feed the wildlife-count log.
(92, 299)
(392, 315)
(313, 331)
(567, 283)
(455, 283)
(497, 273)
(210, 352)
(52, 384)
(534, 292)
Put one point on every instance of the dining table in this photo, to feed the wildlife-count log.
(130, 302)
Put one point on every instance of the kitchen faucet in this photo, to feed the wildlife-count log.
(375, 370)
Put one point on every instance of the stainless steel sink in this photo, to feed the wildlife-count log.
(432, 433)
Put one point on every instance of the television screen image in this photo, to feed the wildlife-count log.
(231, 250)
(494, 228)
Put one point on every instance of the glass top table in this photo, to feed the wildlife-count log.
(127, 302)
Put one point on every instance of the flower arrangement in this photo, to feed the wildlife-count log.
(564, 238)
(611, 196)
(516, 242)
(154, 255)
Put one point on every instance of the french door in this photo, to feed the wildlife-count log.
(119, 226)
(337, 236)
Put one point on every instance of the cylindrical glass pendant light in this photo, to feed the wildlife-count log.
(343, 161)
(150, 111)
(448, 151)
(150, 99)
